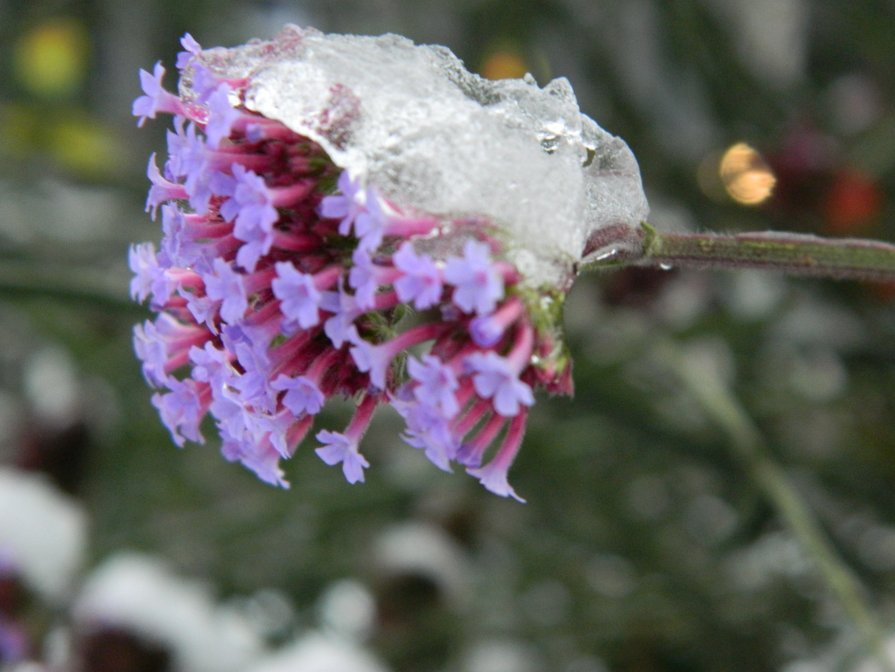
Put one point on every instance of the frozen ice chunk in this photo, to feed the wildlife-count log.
(413, 122)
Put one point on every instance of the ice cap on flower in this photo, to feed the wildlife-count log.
(318, 187)
(430, 135)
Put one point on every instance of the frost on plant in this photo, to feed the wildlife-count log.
(361, 217)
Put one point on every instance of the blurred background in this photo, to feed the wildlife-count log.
(646, 545)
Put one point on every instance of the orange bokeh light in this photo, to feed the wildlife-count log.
(746, 176)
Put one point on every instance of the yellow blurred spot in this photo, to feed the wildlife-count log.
(50, 60)
(83, 146)
(18, 128)
(746, 176)
(504, 64)
(69, 138)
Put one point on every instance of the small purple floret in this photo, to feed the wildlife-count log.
(340, 448)
(221, 115)
(144, 264)
(372, 359)
(152, 350)
(429, 430)
(249, 201)
(344, 205)
(154, 99)
(260, 457)
(251, 350)
(210, 364)
(179, 246)
(494, 476)
(181, 410)
(369, 225)
(186, 150)
(362, 278)
(478, 285)
(204, 83)
(162, 189)
(192, 48)
(495, 379)
(257, 244)
(227, 409)
(486, 331)
(340, 327)
(436, 384)
(198, 185)
(225, 285)
(202, 308)
(302, 394)
(275, 430)
(421, 280)
(299, 297)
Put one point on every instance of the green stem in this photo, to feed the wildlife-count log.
(796, 254)
(27, 279)
(722, 407)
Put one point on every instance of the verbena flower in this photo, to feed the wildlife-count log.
(313, 248)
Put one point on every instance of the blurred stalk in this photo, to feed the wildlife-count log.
(34, 278)
(719, 403)
(793, 253)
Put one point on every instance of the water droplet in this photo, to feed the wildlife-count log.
(549, 142)
(606, 255)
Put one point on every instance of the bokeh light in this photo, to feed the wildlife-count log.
(504, 64)
(746, 176)
(50, 60)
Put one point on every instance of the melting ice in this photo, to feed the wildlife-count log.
(431, 135)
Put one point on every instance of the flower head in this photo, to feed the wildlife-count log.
(297, 232)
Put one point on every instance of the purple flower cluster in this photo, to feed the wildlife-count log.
(281, 282)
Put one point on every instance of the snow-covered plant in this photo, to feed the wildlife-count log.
(361, 217)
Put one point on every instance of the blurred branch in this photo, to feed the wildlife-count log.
(719, 403)
(36, 279)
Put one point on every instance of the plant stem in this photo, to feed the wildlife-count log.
(796, 254)
(76, 284)
(745, 439)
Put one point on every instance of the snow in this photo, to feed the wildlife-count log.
(141, 594)
(43, 533)
(413, 122)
